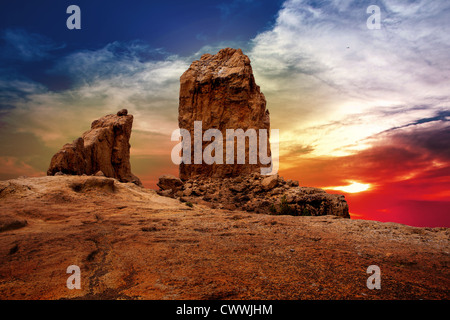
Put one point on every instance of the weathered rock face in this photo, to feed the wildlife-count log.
(255, 193)
(169, 184)
(220, 91)
(103, 150)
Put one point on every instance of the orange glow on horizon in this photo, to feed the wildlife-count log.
(353, 187)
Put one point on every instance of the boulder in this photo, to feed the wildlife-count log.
(166, 193)
(104, 148)
(170, 182)
(269, 182)
(122, 112)
(292, 183)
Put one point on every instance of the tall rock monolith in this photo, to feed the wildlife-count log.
(220, 90)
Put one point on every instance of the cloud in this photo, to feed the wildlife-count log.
(426, 136)
(12, 168)
(120, 75)
(330, 81)
(117, 58)
(25, 46)
(105, 80)
(415, 155)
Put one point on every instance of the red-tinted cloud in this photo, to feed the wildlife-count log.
(12, 168)
(409, 169)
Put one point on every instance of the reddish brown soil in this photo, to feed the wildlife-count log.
(131, 243)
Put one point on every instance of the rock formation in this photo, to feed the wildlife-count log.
(220, 91)
(103, 150)
(169, 184)
(255, 193)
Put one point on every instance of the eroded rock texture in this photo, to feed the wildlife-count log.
(105, 147)
(255, 193)
(220, 91)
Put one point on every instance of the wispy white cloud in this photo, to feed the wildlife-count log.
(333, 78)
(20, 44)
(120, 75)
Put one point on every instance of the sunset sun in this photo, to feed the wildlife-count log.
(353, 187)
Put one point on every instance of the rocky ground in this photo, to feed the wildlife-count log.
(255, 193)
(131, 243)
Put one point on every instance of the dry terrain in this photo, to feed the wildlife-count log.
(131, 243)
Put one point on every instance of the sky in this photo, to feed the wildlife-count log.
(361, 112)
